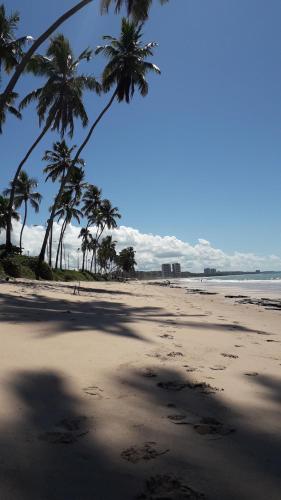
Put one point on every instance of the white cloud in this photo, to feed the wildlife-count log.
(153, 250)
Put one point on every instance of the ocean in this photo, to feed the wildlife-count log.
(262, 284)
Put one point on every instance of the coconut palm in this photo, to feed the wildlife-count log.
(138, 8)
(59, 161)
(91, 201)
(67, 212)
(4, 206)
(126, 69)
(60, 99)
(107, 253)
(85, 235)
(104, 218)
(24, 194)
(11, 48)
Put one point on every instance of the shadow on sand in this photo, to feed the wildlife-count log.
(55, 450)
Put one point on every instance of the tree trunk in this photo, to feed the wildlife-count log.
(83, 262)
(23, 224)
(51, 219)
(59, 246)
(13, 188)
(41, 39)
(67, 176)
(50, 245)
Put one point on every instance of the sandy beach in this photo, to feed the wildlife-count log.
(137, 391)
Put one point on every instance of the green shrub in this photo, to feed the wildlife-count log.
(12, 267)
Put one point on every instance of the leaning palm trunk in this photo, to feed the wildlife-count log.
(59, 245)
(67, 176)
(23, 224)
(50, 245)
(41, 39)
(13, 187)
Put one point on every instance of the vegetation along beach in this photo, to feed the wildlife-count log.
(140, 265)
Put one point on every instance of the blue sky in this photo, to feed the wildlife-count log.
(200, 156)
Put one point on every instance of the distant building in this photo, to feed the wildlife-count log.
(166, 270)
(210, 271)
(176, 270)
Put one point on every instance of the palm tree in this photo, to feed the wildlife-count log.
(104, 217)
(91, 201)
(138, 8)
(4, 205)
(107, 253)
(67, 212)
(11, 48)
(24, 194)
(85, 235)
(127, 68)
(59, 161)
(60, 99)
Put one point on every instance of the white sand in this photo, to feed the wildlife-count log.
(82, 416)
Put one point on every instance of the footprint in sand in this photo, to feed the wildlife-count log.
(93, 390)
(168, 487)
(146, 452)
(176, 418)
(174, 354)
(166, 336)
(156, 355)
(271, 340)
(227, 355)
(190, 368)
(207, 425)
(67, 431)
(251, 374)
(174, 385)
(218, 367)
(210, 425)
(149, 373)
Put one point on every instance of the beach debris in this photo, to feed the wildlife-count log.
(168, 487)
(147, 451)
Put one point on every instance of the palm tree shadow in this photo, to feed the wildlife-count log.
(53, 452)
(236, 456)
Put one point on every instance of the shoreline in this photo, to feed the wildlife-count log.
(132, 391)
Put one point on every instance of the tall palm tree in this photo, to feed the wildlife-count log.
(85, 235)
(107, 253)
(67, 212)
(59, 161)
(24, 194)
(104, 218)
(138, 8)
(11, 48)
(126, 69)
(4, 205)
(91, 201)
(60, 99)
